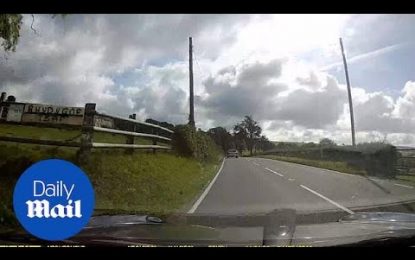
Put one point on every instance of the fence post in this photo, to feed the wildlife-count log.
(130, 139)
(87, 132)
(3, 106)
(155, 140)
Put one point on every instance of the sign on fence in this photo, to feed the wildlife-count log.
(105, 122)
(41, 113)
(90, 120)
(15, 112)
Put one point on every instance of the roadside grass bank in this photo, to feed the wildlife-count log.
(330, 165)
(139, 183)
(337, 166)
(406, 179)
(144, 183)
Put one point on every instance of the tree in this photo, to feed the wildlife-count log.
(221, 137)
(265, 144)
(10, 25)
(326, 142)
(238, 138)
(249, 131)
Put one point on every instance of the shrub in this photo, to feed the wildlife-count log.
(190, 142)
(380, 159)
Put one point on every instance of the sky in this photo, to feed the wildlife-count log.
(285, 70)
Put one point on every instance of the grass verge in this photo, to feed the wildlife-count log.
(406, 179)
(141, 183)
(330, 165)
(337, 166)
(145, 183)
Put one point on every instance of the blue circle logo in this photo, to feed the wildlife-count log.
(53, 199)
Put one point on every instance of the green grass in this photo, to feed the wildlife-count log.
(142, 182)
(156, 184)
(331, 165)
(406, 179)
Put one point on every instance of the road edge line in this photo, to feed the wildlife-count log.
(206, 191)
(327, 199)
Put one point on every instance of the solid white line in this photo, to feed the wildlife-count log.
(274, 172)
(197, 203)
(409, 187)
(329, 200)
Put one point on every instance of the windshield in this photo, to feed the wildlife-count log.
(215, 118)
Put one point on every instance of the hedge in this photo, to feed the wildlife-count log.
(187, 141)
(377, 159)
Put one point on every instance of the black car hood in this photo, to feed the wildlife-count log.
(277, 229)
(281, 228)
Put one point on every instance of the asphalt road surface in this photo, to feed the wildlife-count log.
(255, 185)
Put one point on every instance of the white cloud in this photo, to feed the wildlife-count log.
(244, 64)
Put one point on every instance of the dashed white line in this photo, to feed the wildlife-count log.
(291, 179)
(405, 186)
(279, 174)
(327, 199)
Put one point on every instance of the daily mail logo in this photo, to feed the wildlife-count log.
(42, 208)
(53, 199)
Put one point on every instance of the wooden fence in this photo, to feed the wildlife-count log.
(88, 121)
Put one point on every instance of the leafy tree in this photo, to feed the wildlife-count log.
(10, 25)
(326, 142)
(221, 137)
(265, 144)
(249, 131)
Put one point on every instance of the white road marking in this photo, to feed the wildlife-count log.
(291, 179)
(256, 163)
(197, 203)
(409, 187)
(279, 174)
(327, 199)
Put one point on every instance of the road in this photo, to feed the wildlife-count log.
(256, 185)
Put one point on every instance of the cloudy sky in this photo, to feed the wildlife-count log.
(284, 70)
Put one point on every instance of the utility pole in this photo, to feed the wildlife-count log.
(349, 93)
(191, 105)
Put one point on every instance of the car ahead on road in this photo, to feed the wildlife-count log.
(232, 153)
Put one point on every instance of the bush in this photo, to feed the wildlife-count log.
(380, 159)
(190, 142)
